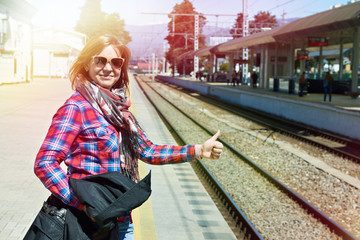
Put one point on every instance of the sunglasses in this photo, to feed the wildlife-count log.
(114, 62)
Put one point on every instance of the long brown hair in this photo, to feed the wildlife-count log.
(93, 47)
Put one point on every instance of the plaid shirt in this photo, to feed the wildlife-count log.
(81, 138)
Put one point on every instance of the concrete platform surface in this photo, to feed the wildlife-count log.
(179, 207)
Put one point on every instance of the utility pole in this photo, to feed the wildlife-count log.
(196, 31)
(164, 59)
(196, 36)
(153, 66)
(283, 18)
(245, 33)
(156, 65)
(196, 45)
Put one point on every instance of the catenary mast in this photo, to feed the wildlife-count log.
(245, 54)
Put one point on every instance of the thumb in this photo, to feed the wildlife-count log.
(217, 134)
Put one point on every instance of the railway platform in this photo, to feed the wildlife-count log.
(179, 207)
(340, 116)
(338, 100)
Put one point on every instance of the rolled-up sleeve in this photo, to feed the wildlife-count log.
(165, 154)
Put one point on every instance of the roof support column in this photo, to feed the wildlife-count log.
(266, 66)
(262, 66)
(231, 66)
(302, 61)
(291, 60)
(320, 61)
(184, 66)
(341, 59)
(251, 59)
(211, 60)
(215, 63)
(355, 60)
(276, 61)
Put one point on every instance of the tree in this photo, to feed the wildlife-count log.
(114, 25)
(91, 18)
(237, 29)
(94, 22)
(224, 67)
(262, 20)
(181, 32)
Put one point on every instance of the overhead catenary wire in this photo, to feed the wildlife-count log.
(279, 5)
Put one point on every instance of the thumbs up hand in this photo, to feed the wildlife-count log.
(211, 148)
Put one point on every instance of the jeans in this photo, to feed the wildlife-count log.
(301, 92)
(327, 89)
(126, 230)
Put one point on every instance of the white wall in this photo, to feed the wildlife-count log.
(15, 55)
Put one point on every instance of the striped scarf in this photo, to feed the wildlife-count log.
(114, 106)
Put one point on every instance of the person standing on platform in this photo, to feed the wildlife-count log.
(94, 133)
(240, 78)
(327, 84)
(302, 83)
(254, 78)
(216, 76)
(234, 78)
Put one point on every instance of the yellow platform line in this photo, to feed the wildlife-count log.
(143, 217)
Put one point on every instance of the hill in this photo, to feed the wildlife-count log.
(149, 39)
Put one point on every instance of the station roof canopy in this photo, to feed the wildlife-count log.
(248, 41)
(186, 55)
(332, 24)
(204, 51)
(336, 19)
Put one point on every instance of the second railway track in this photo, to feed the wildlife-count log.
(339, 145)
(269, 209)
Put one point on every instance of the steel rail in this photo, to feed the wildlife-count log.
(339, 230)
(277, 127)
(242, 222)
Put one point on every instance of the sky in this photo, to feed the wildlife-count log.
(65, 13)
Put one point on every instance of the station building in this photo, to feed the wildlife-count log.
(15, 41)
(54, 50)
(26, 52)
(279, 55)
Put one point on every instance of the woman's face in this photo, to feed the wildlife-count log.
(106, 74)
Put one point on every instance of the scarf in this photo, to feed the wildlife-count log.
(114, 106)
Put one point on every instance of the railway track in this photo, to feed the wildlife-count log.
(340, 155)
(275, 189)
(336, 144)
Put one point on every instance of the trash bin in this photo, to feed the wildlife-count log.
(291, 86)
(276, 85)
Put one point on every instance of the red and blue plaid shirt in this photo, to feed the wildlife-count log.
(81, 138)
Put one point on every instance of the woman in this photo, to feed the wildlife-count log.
(94, 132)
